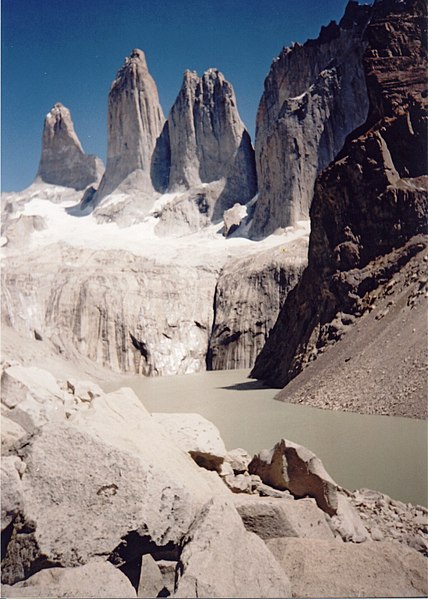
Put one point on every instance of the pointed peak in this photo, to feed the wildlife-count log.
(188, 74)
(212, 72)
(139, 55)
(58, 110)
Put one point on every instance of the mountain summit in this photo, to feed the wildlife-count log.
(135, 121)
(208, 139)
(63, 161)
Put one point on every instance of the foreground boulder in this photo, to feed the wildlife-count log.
(90, 481)
(270, 517)
(196, 435)
(292, 467)
(31, 397)
(295, 468)
(108, 483)
(96, 579)
(321, 568)
(219, 558)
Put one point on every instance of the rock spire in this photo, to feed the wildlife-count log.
(135, 122)
(208, 139)
(63, 161)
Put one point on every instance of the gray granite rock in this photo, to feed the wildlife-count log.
(135, 122)
(209, 142)
(322, 568)
(314, 95)
(63, 161)
(96, 580)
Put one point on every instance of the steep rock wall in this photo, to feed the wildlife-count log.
(127, 313)
(314, 95)
(368, 204)
(249, 295)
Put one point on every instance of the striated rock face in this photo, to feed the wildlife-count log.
(135, 122)
(138, 317)
(249, 295)
(368, 204)
(63, 161)
(314, 96)
(209, 142)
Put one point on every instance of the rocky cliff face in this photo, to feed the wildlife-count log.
(138, 317)
(249, 295)
(368, 204)
(209, 142)
(314, 95)
(63, 161)
(135, 122)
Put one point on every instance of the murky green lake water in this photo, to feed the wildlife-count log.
(385, 453)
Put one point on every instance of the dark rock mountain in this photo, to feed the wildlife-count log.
(369, 203)
(314, 95)
(63, 161)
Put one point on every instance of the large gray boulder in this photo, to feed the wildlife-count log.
(32, 397)
(270, 517)
(221, 559)
(322, 568)
(290, 466)
(63, 161)
(88, 482)
(293, 467)
(135, 122)
(196, 435)
(96, 580)
(209, 141)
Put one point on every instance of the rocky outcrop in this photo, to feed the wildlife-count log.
(368, 204)
(292, 467)
(145, 508)
(314, 95)
(322, 568)
(209, 142)
(135, 123)
(249, 295)
(295, 468)
(63, 161)
(147, 521)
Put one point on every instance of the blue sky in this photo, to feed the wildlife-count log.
(69, 51)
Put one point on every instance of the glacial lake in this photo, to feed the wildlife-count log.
(385, 453)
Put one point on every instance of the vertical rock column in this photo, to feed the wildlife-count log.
(135, 122)
(209, 141)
